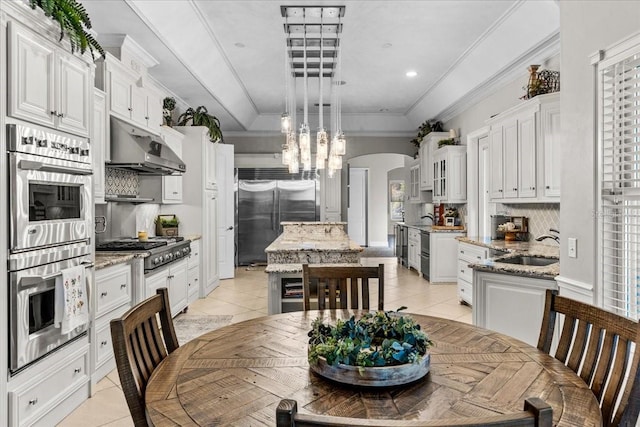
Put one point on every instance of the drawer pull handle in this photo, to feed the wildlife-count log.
(461, 252)
(195, 280)
(33, 401)
(479, 257)
(103, 343)
(77, 370)
(124, 285)
(104, 294)
(461, 271)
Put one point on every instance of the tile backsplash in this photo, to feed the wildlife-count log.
(542, 216)
(121, 182)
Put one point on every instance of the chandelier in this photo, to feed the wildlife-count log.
(312, 51)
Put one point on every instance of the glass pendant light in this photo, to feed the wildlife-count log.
(305, 136)
(321, 136)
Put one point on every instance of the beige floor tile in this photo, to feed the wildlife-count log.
(122, 422)
(103, 384)
(106, 406)
(114, 377)
(253, 303)
(222, 307)
(246, 316)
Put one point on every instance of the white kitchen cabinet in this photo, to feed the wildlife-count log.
(193, 272)
(330, 195)
(131, 97)
(450, 174)
(524, 152)
(510, 304)
(165, 189)
(443, 260)
(552, 156)
(99, 140)
(46, 84)
(198, 211)
(427, 147)
(414, 249)
(175, 280)
(113, 297)
(468, 254)
(414, 183)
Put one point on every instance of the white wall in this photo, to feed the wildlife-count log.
(586, 27)
(378, 165)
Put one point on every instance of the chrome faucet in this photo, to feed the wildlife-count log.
(555, 236)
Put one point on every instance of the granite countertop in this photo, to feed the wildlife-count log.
(430, 228)
(515, 248)
(297, 268)
(107, 259)
(302, 244)
(193, 237)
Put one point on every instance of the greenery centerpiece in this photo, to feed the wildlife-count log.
(380, 349)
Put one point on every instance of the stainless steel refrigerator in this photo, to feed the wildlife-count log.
(265, 198)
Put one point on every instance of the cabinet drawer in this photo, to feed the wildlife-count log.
(102, 346)
(194, 257)
(193, 280)
(464, 271)
(472, 253)
(113, 288)
(414, 234)
(31, 401)
(465, 291)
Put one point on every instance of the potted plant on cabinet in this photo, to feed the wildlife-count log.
(201, 117)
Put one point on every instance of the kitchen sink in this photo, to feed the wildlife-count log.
(529, 260)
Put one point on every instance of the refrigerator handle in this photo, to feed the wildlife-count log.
(273, 211)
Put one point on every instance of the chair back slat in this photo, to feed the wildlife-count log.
(139, 346)
(604, 359)
(536, 413)
(340, 284)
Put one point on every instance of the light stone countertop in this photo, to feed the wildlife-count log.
(430, 228)
(297, 268)
(193, 237)
(515, 248)
(107, 259)
(305, 244)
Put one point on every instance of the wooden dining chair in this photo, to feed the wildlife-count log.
(601, 347)
(537, 413)
(138, 347)
(333, 282)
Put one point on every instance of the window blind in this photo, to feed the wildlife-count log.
(620, 185)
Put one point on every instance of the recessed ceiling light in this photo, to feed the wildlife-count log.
(411, 73)
(386, 45)
(240, 45)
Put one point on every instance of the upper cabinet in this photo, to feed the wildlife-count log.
(99, 139)
(524, 152)
(132, 99)
(450, 174)
(427, 147)
(48, 85)
(165, 189)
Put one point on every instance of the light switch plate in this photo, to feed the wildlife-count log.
(572, 247)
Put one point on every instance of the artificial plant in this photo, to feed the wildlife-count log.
(74, 22)
(424, 129)
(201, 117)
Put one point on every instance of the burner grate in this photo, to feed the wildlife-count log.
(129, 246)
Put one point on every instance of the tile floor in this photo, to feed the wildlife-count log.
(245, 297)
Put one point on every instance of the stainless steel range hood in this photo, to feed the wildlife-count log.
(135, 149)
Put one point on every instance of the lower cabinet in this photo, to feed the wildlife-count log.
(113, 297)
(175, 279)
(48, 391)
(193, 272)
(414, 249)
(443, 260)
(468, 254)
(509, 304)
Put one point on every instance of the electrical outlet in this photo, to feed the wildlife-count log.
(572, 247)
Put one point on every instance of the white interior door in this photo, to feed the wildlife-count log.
(224, 178)
(484, 218)
(357, 210)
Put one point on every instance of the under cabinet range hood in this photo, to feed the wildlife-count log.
(135, 149)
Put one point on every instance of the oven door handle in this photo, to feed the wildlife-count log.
(40, 166)
(29, 281)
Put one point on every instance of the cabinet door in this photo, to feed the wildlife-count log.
(98, 143)
(139, 105)
(332, 197)
(120, 94)
(31, 77)
(457, 177)
(154, 281)
(444, 257)
(426, 182)
(527, 156)
(154, 111)
(510, 159)
(496, 189)
(226, 211)
(552, 155)
(171, 189)
(210, 242)
(73, 94)
(178, 287)
(210, 164)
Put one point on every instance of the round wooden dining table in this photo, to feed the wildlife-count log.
(238, 374)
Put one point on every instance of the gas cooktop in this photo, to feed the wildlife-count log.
(133, 244)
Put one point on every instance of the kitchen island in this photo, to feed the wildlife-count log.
(300, 243)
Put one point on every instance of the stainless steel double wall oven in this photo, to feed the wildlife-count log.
(50, 215)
